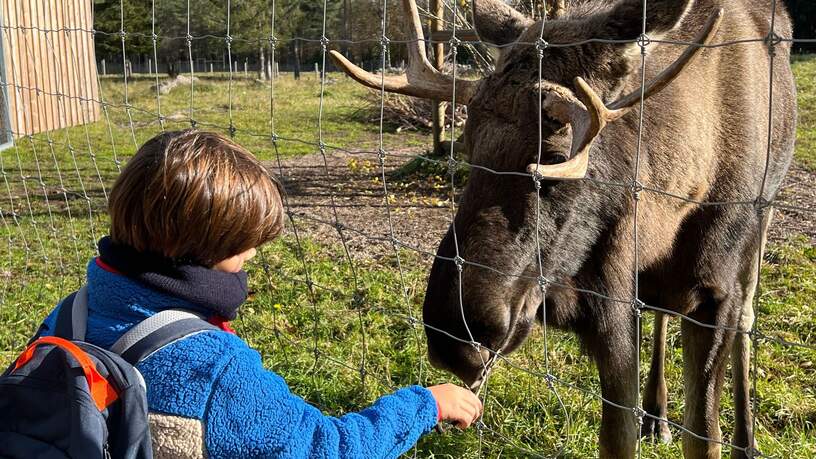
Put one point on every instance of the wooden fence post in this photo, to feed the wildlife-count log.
(438, 109)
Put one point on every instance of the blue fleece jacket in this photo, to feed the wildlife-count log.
(245, 410)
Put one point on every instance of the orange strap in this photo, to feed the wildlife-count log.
(102, 392)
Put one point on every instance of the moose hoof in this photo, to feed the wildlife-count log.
(658, 430)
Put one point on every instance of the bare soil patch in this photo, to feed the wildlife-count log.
(348, 189)
(798, 191)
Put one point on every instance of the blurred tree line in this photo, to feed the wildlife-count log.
(804, 21)
(353, 26)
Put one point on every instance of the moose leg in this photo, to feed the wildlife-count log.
(705, 357)
(741, 355)
(740, 368)
(616, 355)
(655, 395)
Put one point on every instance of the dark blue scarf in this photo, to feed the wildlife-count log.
(218, 292)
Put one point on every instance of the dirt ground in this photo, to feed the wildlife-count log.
(351, 185)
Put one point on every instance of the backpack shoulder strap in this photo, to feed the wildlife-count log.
(157, 331)
(72, 316)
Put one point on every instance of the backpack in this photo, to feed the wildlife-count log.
(65, 398)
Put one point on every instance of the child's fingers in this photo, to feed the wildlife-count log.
(474, 406)
(468, 413)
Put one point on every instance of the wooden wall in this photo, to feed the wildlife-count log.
(50, 64)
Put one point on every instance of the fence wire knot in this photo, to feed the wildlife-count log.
(324, 42)
(274, 137)
(452, 163)
(639, 414)
(154, 37)
(273, 41)
(643, 41)
(760, 204)
(385, 41)
(122, 34)
(381, 156)
(771, 41)
(228, 40)
(189, 39)
(543, 284)
(638, 306)
(459, 262)
(476, 345)
(636, 189)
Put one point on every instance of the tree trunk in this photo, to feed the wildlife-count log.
(296, 57)
(344, 47)
(172, 68)
(262, 69)
(439, 61)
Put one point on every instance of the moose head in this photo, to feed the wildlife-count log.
(543, 113)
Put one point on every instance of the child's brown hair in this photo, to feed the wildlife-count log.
(196, 197)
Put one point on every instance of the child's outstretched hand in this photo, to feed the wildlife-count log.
(456, 404)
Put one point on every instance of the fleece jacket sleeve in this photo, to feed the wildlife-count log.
(252, 413)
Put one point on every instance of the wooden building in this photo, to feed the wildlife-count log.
(48, 66)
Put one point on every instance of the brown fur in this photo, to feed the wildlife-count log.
(704, 139)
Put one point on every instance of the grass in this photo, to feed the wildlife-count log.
(804, 68)
(341, 347)
(296, 117)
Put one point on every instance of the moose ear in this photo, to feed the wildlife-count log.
(497, 23)
(625, 21)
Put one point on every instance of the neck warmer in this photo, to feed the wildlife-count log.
(219, 292)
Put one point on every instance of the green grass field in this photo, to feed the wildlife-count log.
(339, 346)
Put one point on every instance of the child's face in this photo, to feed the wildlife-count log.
(235, 263)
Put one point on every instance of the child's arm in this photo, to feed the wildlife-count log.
(251, 413)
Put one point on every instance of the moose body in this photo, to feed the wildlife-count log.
(705, 141)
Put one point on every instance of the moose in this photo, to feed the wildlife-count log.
(558, 236)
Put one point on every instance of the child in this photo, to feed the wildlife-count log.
(186, 213)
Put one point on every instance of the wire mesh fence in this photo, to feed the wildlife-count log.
(341, 324)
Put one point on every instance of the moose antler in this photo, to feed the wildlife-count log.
(588, 122)
(420, 79)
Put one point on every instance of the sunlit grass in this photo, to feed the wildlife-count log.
(339, 347)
